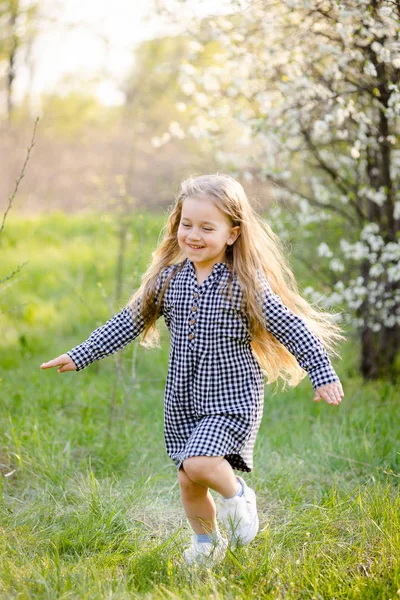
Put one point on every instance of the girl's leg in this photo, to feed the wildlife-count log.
(198, 504)
(212, 471)
(238, 513)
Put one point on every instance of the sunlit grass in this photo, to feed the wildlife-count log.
(90, 505)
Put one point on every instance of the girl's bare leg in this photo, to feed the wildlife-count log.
(212, 471)
(198, 504)
(198, 474)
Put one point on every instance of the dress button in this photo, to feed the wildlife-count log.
(195, 295)
(194, 308)
(192, 321)
(191, 336)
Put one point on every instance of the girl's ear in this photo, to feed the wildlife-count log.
(235, 232)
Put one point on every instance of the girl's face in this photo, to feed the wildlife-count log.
(204, 232)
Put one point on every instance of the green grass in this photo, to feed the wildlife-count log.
(89, 503)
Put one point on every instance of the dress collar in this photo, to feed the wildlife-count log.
(218, 267)
(212, 278)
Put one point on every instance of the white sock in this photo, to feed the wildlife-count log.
(204, 538)
(239, 492)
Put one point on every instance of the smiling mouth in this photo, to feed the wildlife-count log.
(195, 247)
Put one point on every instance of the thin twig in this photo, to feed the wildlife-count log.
(11, 198)
(11, 275)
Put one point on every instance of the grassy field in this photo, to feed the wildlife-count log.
(89, 501)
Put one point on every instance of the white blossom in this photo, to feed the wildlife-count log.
(376, 196)
(369, 69)
(393, 272)
(324, 250)
(376, 270)
(188, 69)
(201, 99)
(157, 142)
(195, 46)
(176, 130)
(336, 265)
(211, 82)
(355, 150)
(188, 87)
(391, 252)
(320, 127)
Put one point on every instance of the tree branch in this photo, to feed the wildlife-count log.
(11, 275)
(11, 198)
(333, 174)
(312, 201)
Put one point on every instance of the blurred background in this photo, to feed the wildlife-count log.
(107, 88)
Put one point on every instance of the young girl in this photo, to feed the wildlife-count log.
(234, 312)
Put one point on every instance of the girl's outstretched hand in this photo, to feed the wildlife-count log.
(63, 362)
(332, 393)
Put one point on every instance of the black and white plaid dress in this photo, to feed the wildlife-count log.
(215, 387)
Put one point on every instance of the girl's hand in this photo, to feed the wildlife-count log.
(332, 393)
(64, 362)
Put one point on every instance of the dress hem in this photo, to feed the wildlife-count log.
(244, 469)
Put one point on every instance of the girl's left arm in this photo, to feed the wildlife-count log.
(293, 333)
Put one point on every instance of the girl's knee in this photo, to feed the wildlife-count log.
(188, 487)
(183, 479)
(198, 468)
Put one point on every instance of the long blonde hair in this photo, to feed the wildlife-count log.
(256, 250)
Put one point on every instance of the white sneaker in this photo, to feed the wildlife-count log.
(206, 553)
(239, 516)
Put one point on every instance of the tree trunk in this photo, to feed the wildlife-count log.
(380, 350)
(378, 353)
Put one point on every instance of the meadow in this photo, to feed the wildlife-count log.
(90, 504)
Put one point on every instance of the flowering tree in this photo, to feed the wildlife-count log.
(313, 90)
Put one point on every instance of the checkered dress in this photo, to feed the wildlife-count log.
(215, 387)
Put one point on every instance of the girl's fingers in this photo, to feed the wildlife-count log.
(60, 361)
(52, 363)
(332, 393)
(63, 362)
(334, 399)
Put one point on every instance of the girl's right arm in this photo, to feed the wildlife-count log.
(114, 335)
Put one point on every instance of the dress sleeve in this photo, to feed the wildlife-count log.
(293, 333)
(115, 334)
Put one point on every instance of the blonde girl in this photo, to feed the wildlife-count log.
(232, 306)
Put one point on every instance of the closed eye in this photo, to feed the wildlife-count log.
(205, 228)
